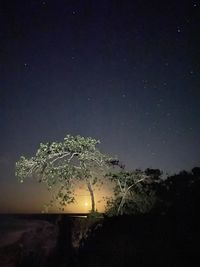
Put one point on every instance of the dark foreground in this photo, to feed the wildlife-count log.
(58, 241)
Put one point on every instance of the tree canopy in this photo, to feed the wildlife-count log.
(62, 164)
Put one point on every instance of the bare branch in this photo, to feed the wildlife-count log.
(60, 157)
(136, 183)
(74, 154)
(120, 185)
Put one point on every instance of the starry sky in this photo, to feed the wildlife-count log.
(125, 72)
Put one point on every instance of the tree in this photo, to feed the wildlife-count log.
(180, 192)
(196, 172)
(125, 183)
(154, 174)
(63, 164)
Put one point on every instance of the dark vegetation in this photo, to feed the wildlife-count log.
(165, 233)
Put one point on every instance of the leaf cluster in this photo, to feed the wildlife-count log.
(63, 164)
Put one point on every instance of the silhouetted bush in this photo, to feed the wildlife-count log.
(167, 236)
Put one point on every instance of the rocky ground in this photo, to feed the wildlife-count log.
(26, 242)
(41, 240)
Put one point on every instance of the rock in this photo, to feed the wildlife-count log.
(28, 243)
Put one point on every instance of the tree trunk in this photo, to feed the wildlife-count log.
(120, 208)
(91, 196)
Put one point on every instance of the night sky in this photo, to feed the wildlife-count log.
(125, 72)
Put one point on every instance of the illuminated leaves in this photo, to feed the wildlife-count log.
(63, 164)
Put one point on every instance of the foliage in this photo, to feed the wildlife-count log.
(177, 216)
(153, 174)
(62, 164)
(180, 192)
(94, 216)
(131, 193)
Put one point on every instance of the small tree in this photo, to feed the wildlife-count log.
(63, 164)
(125, 183)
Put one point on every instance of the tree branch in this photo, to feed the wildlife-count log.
(119, 185)
(74, 154)
(126, 191)
(60, 157)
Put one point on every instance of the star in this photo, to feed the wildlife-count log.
(158, 105)
(145, 81)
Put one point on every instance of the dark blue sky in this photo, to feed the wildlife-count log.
(124, 72)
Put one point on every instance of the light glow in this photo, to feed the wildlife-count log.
(86, 204)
